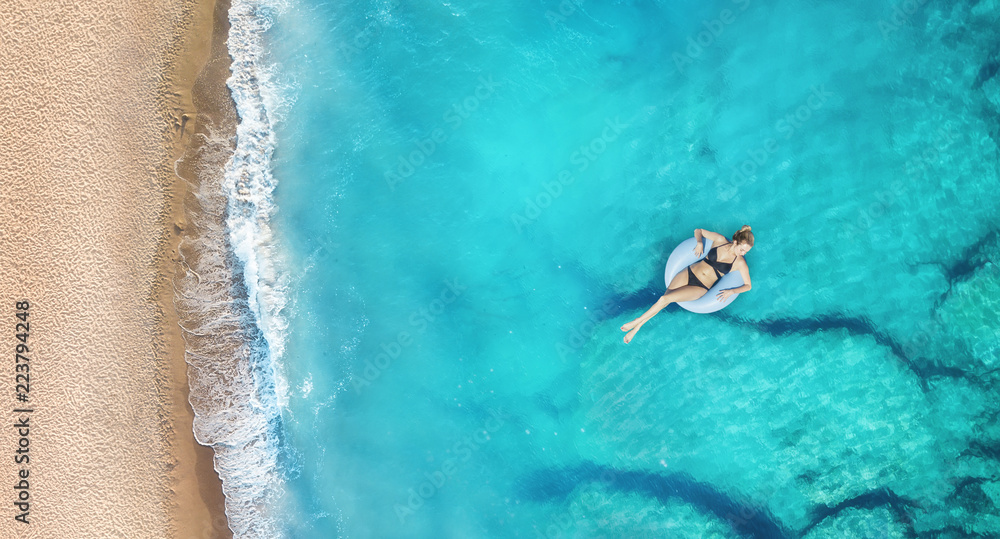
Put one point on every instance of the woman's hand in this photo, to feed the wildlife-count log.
(698, 249)
(723, 294)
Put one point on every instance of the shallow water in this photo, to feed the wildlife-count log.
(473, 196)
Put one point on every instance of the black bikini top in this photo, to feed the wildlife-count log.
(721, 268)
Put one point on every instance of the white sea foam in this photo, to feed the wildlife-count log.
(249, 183)
(307, 386)
(233, 293)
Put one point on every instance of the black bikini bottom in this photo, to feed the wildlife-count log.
(694, 281)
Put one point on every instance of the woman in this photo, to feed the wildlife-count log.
(723, 257)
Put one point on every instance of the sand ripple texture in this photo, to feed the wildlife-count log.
(85, 165)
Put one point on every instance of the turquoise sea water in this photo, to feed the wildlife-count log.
(470, 197)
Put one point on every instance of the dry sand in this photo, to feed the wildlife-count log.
(96, 105)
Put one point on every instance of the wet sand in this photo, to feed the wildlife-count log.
(98, 101)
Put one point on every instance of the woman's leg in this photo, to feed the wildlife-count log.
(684, 293)
(679, 281)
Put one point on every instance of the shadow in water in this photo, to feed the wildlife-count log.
(874, 499)
(858, 326)
(745, 518)
(925, 369)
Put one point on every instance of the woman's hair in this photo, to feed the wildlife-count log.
(743, 235)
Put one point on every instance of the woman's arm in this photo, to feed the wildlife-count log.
(700, 233)
(745, 273)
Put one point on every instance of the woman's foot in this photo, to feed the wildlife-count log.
(630, 325)
(630, 334)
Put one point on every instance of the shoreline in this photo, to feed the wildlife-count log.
(204, 103)
(102, 100)
(227, 294)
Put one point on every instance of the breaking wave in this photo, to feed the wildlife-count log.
(231, 295)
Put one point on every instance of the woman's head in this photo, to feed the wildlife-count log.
(743, 240)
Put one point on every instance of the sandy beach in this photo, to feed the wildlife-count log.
(99, 101)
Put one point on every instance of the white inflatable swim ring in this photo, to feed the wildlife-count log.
(682, 257)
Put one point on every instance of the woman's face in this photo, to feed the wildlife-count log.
(742, 248)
